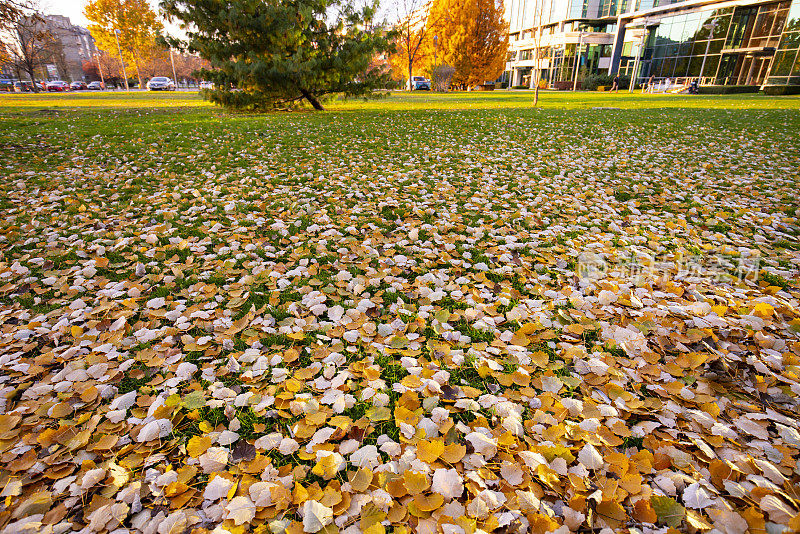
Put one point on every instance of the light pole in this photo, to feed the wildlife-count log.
(636, 61)
(710, 27)
(577, 57)
(174, 76)
(100, 70)
(125, 74)
(435, 67)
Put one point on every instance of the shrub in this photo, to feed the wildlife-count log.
(592, 81)
(727, 89)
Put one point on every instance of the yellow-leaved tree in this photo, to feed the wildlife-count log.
(472, 37)
(132, 21)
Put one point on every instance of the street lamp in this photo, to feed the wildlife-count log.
(710, 27)
(174, 76)
(124, 74)
(435, 68)
(577, 57)
(635, 74)
(100, 69)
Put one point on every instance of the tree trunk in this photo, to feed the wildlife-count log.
(32, 74)
(410, 70)
(312, 100)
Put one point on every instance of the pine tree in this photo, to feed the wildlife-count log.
(267, 53)
(473, 38)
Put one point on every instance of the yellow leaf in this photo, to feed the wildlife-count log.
(763, 310)
(416, 483)
(428, 503)
(198, 445)
(429, 451)
(453, 453)
(361, 479)
(205, 426)
(378, 413)
(326, 467)
(232, 491)
(76, 331)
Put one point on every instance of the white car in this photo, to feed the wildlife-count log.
(160, 83)
(206, 85)
(420, 83)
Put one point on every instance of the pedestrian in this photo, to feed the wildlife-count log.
(651, 83)
(615, 84)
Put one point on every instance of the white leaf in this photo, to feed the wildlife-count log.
(288, 446)
(528, 501)
(778, 511)
(483, 445)
(511, 472)
(226, 437)
(241, 510)
(92, 477)
(123, 402)
(261, 493)
(447, 483)
(316, 516)
(552, 384)
(268, 442)
(214, 459)
(366, 456)
(217, 488)
(154, 430)
(697, 497)
(590, 458)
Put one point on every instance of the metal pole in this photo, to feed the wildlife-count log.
(100, 70)
(703, 64)
(636, 62)
(174, 76)
(125, 74)
(710, 27)
(577, 57)
(435, 68)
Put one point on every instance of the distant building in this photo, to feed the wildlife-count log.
(721, 42)
(73, 45)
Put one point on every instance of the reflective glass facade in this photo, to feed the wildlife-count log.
(745, 43)
(786, 63)
(729, 46)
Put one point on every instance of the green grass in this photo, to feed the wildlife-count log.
(132, 161)
(133, 103)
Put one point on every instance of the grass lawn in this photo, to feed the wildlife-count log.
(422, 313)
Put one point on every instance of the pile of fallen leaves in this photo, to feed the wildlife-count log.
(405, 337)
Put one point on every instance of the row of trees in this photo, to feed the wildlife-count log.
(263, 54)
(459, 42)
(28, 43)
(153, 61)
(25, 45)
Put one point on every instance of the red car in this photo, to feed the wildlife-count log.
(57, 85)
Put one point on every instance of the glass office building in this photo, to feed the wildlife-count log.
(739, 43)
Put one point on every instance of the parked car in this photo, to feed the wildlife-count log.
(78, 86)
(57, 85)
(420, 83)
(23, 86)
(160, 83)
(96, 86)
(7, 85)
(206, 85)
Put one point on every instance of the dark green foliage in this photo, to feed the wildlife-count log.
(592, 81)
(276, 53)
